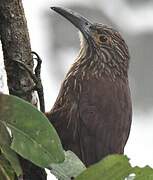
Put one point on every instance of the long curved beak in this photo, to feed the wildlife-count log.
(76, 19)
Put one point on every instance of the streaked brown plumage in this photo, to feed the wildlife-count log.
(92, 113)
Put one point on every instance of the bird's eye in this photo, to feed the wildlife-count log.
(103, 38)
(86, 23)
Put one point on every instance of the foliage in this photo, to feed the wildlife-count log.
(34, 138)
(116, 167)
(70, 168)
(7, 152)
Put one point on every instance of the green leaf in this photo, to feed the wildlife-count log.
(4, 135)
(71, 167)
(34, 137)
(6, 171)
(116, 167)
(145, 173)
(9, 154)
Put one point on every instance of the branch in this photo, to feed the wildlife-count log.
(16, 46)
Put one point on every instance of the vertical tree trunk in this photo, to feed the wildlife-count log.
(16, 46)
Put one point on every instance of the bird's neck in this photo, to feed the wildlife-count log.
(92, 63)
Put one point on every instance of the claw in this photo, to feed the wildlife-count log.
(36, 78)
(39, 61)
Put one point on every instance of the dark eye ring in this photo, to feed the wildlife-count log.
(103, 38)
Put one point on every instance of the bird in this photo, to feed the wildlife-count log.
(93, 110)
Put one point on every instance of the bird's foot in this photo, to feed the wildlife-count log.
(35, 76)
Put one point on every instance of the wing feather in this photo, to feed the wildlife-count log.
(98, 123)
(105, 118)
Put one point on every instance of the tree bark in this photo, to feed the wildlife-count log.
(16, 46)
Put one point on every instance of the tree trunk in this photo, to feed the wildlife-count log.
(16, 46)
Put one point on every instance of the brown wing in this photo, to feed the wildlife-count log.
(96, 125)
(64, 116)
(105, 118)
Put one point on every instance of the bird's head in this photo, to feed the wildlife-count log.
(99, 42)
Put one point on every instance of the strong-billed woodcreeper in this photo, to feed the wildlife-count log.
(93, 112)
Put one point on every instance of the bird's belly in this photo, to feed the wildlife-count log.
(105, 110)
